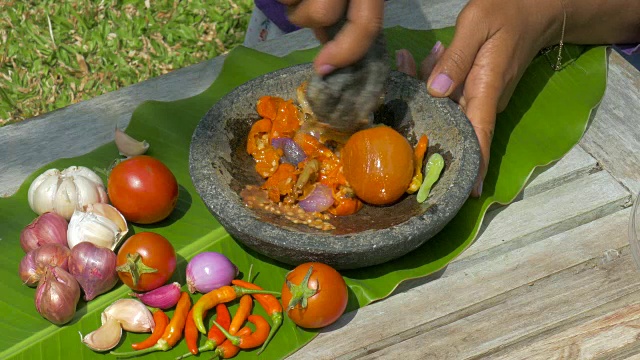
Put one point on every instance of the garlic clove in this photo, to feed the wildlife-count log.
(88, 192)
(44, 192)
(64, 201)
(111, 213)
(94, 228)
(75, 171)
(106, 337)
(128, 146)
(37, 182)
(132, 314)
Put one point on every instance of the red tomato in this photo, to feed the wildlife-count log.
(140, 255)
(325, 292)
(378, 164)
(143, 189)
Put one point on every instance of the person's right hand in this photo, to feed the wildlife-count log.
(494, 42)
(364, 22)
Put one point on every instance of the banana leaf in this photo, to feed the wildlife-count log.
(546, 117)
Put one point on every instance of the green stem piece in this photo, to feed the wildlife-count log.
(301, 293)
(135, 267)
(432, 172)
(161, 345)
(276, 319)
(234, 339)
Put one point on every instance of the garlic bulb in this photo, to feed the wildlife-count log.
(100, 224)
(65, 191)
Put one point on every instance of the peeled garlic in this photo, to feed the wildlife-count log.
(129, 146)
(65, 191)
(127, 314)
(101, 224)
(132, 314)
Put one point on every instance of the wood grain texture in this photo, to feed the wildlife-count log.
(613, 138)
(475, 286)
(565, 299)
(576, 163)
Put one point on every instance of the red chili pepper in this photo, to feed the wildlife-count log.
(173, 332)
(215, 336)
(161, 320)
(252, 340)
(227, 350)
(221, 295)
(270, 304)
(191, 333)
(246, 305)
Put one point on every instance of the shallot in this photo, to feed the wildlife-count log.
(46, 228)
(164, 297)
(57, 296)
(35, 263)
(208, 271)
(94, 268)
(293, 153)
(319, 199)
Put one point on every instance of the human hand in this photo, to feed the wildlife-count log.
(363, 23)
(494, 42)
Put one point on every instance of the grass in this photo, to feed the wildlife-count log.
(56, 53)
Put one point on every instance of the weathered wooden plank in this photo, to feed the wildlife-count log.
(463, 292)
(564, 299)
(576, 163)
(612, 335)
(538, 217)
(614, 136)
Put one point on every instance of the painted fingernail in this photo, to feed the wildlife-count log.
(325, 69)
(441, 83)
(436, 47)
(400, 59)
(479, 189)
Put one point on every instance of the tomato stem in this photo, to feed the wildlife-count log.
(135, 267)
(300, 293)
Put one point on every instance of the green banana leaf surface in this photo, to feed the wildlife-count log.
(546, 117)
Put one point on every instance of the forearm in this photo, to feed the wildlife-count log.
(597, 21)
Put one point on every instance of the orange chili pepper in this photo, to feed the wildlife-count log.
(286, 121)
(220, 295)
(281, 182)
(331, 172)
(270, 304)
(267, 161)
(345, 202)
(309, 144)
(267, 106)
(161, 320)
(252, 340)
(215, 337)
(258, 136)
(173, 332)
(246, 305)
(227, 350)
(418, 158)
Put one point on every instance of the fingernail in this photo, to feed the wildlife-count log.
(325, 69)
(436, 47)
(441, 83)
(400, 59)
(479, 189)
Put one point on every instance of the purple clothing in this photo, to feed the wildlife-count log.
(277, 13)
(630, 49)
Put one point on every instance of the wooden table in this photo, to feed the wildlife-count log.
(550, 276)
